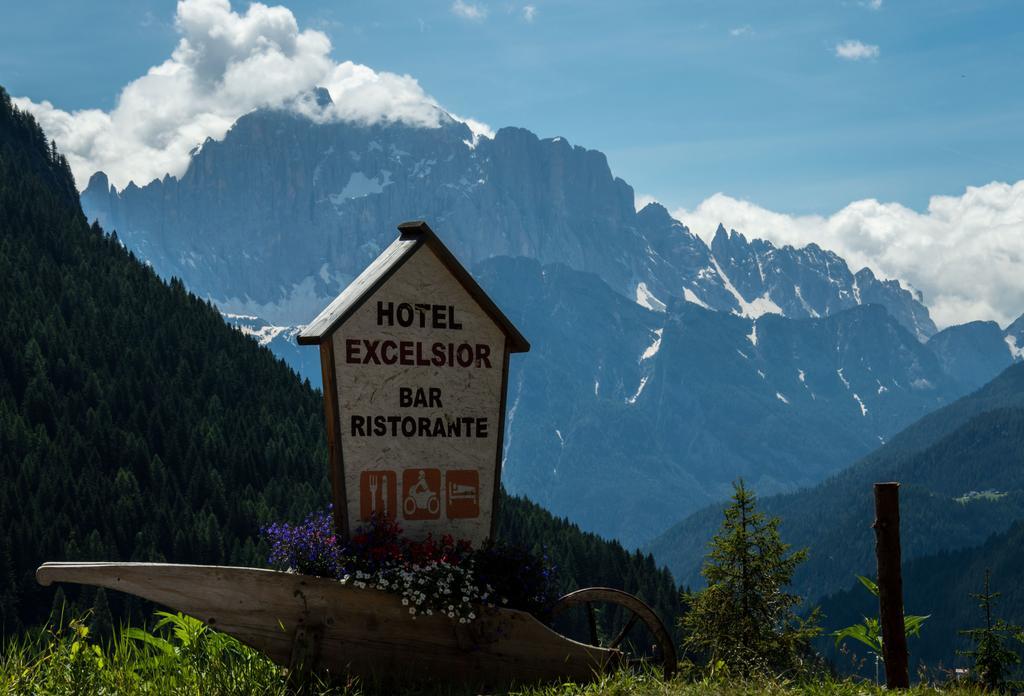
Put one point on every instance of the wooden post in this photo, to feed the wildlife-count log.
(890, 585)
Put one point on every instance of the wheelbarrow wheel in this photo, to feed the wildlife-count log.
(634, 612)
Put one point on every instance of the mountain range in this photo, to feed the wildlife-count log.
(962, 480)
(136, 425)
(283, 212)
(663, 367)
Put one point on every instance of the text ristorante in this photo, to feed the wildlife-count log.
(418, 426)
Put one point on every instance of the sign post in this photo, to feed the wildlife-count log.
(890, 585)
(415, 368)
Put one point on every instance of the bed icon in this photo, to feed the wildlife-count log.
(462, 493)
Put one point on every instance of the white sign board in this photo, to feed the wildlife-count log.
(419, 376)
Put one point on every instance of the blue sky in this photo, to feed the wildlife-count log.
(890, 132)
(686, 98)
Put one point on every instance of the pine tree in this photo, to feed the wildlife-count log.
(992, 659)
(101, 622)
(744, 619)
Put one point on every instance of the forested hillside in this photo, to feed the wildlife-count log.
(973, 445)
(136, 425)
(941, 585)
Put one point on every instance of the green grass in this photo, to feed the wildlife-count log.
(181, 656)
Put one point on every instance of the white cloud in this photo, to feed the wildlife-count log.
(874, 4)
(469, 10)
(965, 253)
(745, 30)
(856, 50)
(529, 12)
(478, 128)
(225, 65)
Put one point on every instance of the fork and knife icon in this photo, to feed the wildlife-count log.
(378, 481)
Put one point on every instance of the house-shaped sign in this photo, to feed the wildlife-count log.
(415, 368)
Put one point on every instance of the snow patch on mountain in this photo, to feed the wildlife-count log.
(244, 317)
(759, 307)
(863, 408)
(360, 185)
(691, 297)
(652, 349)
(842, 377)
(811, 311)
(263, 334)
(1016, 352)
(510, 418)
(646, 298)
(753, 309)
(639, 391)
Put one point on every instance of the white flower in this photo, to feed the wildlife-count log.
(472, 615)
(412, 610)
(405, 602)
(462, 620)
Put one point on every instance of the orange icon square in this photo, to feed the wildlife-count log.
(378, 493)
(462, 493)
(421, 494)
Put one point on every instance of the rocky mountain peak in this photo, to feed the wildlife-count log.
(322, 96)
(275, 218)
(98, 184)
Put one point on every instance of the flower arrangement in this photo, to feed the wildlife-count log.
(446, 576)
(310, 548)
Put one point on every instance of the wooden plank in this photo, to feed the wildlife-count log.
(499, 454)
(372, 277)
(334, 453)
(516, 341)
(365, 632)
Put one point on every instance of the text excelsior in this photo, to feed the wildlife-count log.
(362, 351)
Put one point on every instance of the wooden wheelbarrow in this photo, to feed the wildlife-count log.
(306, 623)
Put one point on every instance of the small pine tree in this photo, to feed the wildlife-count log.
(743, 619)
(101, 623)
(992, 659)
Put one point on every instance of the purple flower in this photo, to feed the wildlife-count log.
(310, 548)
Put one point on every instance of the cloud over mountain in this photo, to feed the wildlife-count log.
(226, 64)
(964, 252)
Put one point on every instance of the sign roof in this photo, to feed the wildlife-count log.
(413, 234)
